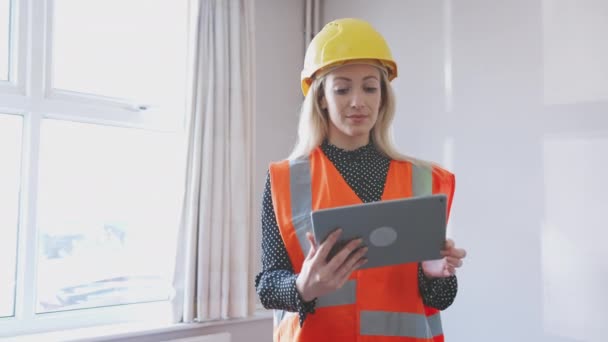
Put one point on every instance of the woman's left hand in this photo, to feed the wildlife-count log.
(445, 267)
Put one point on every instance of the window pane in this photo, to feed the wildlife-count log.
(107, 215)
(121, 48)
(10, 154)
(5, 16)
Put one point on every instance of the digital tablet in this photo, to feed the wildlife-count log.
(395, 232)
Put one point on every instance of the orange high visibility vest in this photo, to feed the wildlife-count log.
(375, 304)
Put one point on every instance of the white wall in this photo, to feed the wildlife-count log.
(513, 97)
(279, 45)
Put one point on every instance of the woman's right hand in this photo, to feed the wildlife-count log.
(319, 276)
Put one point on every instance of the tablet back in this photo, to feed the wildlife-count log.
(396, 232)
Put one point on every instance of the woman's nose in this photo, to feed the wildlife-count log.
(357, 100)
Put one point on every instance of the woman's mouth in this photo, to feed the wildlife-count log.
(357, 118)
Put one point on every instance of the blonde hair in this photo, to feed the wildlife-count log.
(313, 126)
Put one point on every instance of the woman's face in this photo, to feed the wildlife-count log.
(352, 98)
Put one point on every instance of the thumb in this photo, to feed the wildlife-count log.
(313, 245)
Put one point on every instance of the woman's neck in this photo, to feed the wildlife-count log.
(349, 143)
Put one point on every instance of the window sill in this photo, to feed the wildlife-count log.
(133, 330)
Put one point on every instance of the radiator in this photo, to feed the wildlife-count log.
(221, 337)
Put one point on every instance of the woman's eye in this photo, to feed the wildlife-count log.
(370, 89)
(341, 91)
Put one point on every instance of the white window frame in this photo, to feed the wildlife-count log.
(28, 94)
(17, 47)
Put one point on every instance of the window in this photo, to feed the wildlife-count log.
(105, 202)
(10, 153)
(92, 145)
(96, 43)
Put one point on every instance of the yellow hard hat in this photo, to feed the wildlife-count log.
(345, 40)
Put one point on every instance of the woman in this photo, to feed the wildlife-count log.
(344, 155)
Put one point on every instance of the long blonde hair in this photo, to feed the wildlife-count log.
(313, 126)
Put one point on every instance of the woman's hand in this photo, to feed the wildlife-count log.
(319, 276)
(445, 267)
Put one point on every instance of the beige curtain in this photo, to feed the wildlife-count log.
(213, 277)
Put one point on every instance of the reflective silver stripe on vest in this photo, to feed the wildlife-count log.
(300, 184)
(301, 206)
(347, 294)
(422, 181)
(381, 323)
(300, 190)
(435, 324)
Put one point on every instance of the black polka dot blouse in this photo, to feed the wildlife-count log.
(365, 171)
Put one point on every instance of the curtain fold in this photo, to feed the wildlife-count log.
(213, 277)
